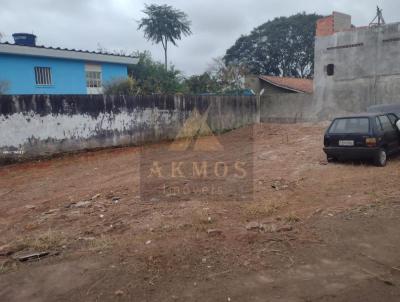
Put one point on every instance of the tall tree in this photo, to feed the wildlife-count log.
(164, 24)
(281, 47)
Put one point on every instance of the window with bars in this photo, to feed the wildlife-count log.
(43, 76)
(93, 79)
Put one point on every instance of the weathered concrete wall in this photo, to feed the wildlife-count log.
(366, 70)
(34, 126)
(287, 108)
(341, 21)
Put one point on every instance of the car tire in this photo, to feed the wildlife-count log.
(380, 159)
(331, 159)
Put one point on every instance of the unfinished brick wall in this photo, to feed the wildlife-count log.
(334, 23)
(325, 26)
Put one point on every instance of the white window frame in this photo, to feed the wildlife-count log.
(43, 76)
(93, 79)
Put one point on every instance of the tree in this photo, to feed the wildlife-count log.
(152, 78)
(281, 47)
(204, 83)
(220, 79)
(164, 24)
(229, 77)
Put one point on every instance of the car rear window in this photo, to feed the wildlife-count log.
(385, 122)
(350, 125)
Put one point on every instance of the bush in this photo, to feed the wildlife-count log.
(152, 78)
(126, 86)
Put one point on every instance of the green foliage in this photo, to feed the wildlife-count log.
(152, 78)
(229, 77)
(126, 86)
(204, 83)
(164, 24)
(220, 79)
(283, 46)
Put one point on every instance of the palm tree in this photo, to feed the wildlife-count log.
(164, 24)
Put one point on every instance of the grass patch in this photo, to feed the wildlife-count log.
(292, 218)
(50, 240)
(100, 244)
(6, 267)
(261, 210)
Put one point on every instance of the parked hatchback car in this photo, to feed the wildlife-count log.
(371, 136)
(386, 108)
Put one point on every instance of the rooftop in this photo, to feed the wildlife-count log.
(65, 53)
(292, 84)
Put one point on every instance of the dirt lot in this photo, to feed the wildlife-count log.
(314, 232)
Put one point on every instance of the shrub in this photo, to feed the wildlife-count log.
(126, 86)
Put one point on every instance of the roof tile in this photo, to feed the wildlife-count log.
(293, 84)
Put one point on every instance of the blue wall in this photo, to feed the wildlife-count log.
(112, 72)
(68, 76)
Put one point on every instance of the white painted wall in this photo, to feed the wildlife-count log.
(18, 130)
(34, 126)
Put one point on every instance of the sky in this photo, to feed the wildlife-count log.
(216, 24)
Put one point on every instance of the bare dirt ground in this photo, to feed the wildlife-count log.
(318, 232)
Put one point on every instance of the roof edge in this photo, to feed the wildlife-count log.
(60, 53)
(282, 86)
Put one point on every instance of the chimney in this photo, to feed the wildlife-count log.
(24, 39)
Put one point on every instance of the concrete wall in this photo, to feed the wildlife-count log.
(252, 82)
(34, 126)
(366, 72)
(68, 76)
(287, 108)
(341, 21)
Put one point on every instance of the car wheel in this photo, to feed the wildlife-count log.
(380, 158)
(331, 159)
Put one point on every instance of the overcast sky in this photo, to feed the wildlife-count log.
(216, 24)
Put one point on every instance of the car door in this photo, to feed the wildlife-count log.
(390, 134)
(394, 118)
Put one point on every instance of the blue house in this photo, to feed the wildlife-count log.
(26, 68)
